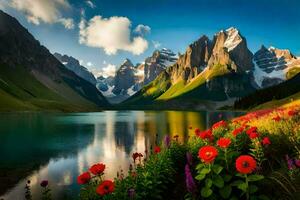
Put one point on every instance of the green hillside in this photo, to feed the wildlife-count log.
(19, 90)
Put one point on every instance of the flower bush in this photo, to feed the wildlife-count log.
(255, 156)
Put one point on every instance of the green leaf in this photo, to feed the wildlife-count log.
(255, 177)
(206, 192)
(252, 189)
(225, 191)
(218, 181)
(227, 177)
(208, 183)
(199, 166)
(217, 169)
(205, 171)
(243, 187)
(200, 177)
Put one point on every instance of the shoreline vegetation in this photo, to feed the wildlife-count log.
(254, 156)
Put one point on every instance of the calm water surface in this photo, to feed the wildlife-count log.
(58, 147)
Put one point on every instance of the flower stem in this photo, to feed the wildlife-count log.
(247, 187)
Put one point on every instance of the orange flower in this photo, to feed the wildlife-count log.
(224, 142)
(208, 154)
(245, 164)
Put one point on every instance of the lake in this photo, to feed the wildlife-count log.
(59, 146)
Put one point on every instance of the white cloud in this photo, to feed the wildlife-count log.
(111, 34)
(104, 62)
(90, 4)
(47, 11)
(156, 44)
(142, 29)
(108, 70)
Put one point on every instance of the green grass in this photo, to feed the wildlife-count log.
(20, 90)
(293, 72)
(290, 100)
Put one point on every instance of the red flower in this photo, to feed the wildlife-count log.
(207, 134)
(245, 164)
(219, 124)
(251, 130)
(292, 113)
(135, 156)
(106, 187)
(297, 162)
(97, 169)
(277, 118)
(197, 131)
(253, 135)
(266, 141)
(237, 131)
(84, 178)
(157, 149)
(223, 142)
(208, 154)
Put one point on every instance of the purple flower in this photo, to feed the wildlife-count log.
(44, 183)
(131, 193)
(290, 162)
(189, 181)
(189, 158)
(167, 141)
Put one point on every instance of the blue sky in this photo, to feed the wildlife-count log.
(174, 24)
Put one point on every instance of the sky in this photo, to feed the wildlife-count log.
(102, 33)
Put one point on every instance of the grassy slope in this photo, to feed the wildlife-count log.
(180, 88)
(288, 101)
(19, 90)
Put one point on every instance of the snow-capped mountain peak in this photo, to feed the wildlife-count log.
(233, 38)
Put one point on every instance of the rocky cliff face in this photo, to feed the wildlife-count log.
(273, 66)
(125, 78)
(156, 63)
(73, 65)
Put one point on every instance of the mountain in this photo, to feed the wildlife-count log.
(156, 63)
(73, 65)
(273, 66)
(130, 78)
(31, 78)
(210, 70)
